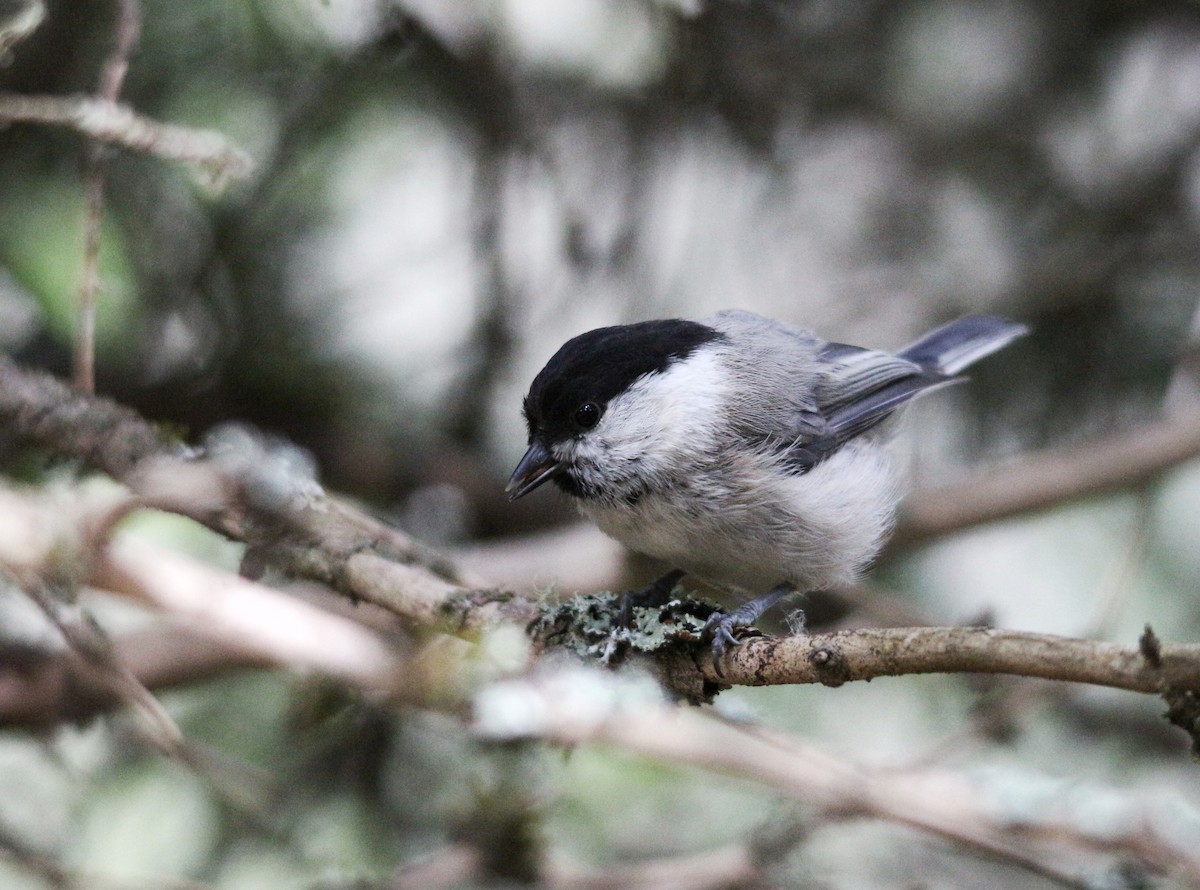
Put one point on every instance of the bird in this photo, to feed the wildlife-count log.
(740, 450)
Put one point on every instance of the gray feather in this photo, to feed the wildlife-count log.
(863, 387)
(951, 348)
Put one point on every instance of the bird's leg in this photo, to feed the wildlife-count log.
(722, 626)
(655, 593)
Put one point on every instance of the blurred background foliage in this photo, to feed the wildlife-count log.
(444, 191)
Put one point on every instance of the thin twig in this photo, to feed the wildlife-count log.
(120, 125)
(129, 26)
(1118, 586)
(89, 286)
(128, 31)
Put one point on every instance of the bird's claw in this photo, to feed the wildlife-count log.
(721, 627)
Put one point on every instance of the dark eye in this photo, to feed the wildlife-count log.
(587, 415)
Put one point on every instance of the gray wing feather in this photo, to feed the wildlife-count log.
(951, 348)
(853, 374)
(862, 387)
(808, 398)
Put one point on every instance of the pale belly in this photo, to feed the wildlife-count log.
(818, 531)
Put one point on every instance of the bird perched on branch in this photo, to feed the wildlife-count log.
(741, 450)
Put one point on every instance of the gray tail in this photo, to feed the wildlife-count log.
(954, 346)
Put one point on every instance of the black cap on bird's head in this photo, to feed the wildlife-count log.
(568, 397)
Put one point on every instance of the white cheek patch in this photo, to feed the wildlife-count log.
(661, 417)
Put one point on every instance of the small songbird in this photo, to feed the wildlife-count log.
(741, 450)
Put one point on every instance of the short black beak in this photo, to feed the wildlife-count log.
(537, 466)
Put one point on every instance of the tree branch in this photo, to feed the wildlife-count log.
(311, 537)
(120, 125)
(262, 623)
(1039, 481)
(52, 544)
(318, 538)
(866, 653)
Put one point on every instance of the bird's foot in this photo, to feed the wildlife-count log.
(723, 627)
